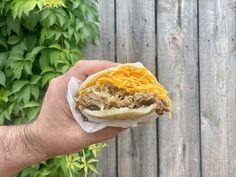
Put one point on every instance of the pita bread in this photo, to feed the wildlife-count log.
(115, 113)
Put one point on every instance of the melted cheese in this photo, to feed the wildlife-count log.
(133, 79)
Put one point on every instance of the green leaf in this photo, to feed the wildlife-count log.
(17, 69)
(45, 14)
(70, 32)
(28, 67)
(31, 104)
(36, 50)
(92, 168)
(30, 5)
(61, 18)
(63, 68)
(35, 79)
(47, 69)
(3, 57)
(13, 40)
(78, 24)
(13, 25)
(57, 35)
(1, 119)
(45, 172)
(35, 91)
(26, 172)
(76, 4)
(3, 43)
(51, 20)
(30, 21)
(20, 7)
(55, 46)
(32, 113)
(2, 79)
(25, 93)
(44, 59)
(92, 160)
(18, 85)
(10, 108)
(55, 55)
(77, 37)
(6, 115)
(4, 94)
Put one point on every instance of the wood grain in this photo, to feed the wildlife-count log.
(105, 45)
(179, 152)
(218, 87)
(105, 49)
(137, 155)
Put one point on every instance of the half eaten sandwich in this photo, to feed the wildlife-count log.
(126, 92)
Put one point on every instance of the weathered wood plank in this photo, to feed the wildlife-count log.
(179, 152)
(105, 50)
(137, 156)
(218, 87)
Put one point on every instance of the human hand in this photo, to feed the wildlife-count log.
(58, 133)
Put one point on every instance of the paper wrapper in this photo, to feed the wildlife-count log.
(92, 125)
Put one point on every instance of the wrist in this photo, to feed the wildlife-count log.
(47, 139)
(33, 142)
(19, 148)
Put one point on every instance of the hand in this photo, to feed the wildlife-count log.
(58, 133)
(55, 131)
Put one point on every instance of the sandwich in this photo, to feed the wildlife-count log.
(126, 92)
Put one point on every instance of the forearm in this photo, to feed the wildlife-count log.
(19, 148)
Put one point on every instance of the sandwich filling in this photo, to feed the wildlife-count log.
(104, 98)
(125, 86)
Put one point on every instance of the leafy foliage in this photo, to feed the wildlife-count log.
(39, 40)
(80, 164)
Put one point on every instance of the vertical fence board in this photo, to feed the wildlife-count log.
(218, 87)
(105, 49)
(137, 147)
(179, 147)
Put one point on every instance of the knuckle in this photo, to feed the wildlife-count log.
(80, 64)
(55, 82)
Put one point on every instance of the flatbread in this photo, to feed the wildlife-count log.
(116, 113)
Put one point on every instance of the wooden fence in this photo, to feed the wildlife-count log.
(191, 47)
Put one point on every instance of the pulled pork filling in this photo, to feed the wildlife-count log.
(107, 97)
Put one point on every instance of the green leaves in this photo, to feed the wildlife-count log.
(40, 40)
(19, 64)
(79, 164)
(3, 43)
(20, 7)
(32, 104)
(30, 21)
(2, 79)
(4, 95)
(25, 90)
(17, 86)
(87, 165)
(3, 57)
(13, 40)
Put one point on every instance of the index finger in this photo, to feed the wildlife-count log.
(84, 68)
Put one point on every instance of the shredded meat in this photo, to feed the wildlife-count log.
(97, 98)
